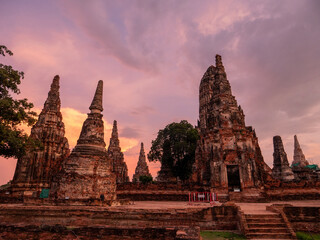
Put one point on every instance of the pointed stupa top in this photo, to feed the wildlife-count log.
(53, 102)
(296, 143)
(219, 61)
(114, 144)
(96, 105)
(299, 160)
(142, 155)
(142, 168)
(92, 132)
(114, 129)
(142, 148)
(219, 67)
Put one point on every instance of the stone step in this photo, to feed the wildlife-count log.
(269, 216)
(269, 235)
(267, 225)
(261, 220)
(269, 230)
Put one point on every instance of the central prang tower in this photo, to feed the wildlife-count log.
(228, 156)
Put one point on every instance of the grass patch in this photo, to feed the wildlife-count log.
(210, 235)
(306, 236)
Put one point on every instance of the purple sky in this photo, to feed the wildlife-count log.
(152, 55)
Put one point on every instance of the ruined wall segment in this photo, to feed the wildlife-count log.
(281, 169)
(115, 154)
(87, 173)
(227, 149)
(35, 170)
(142, 167)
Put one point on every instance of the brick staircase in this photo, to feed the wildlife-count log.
(267, 226)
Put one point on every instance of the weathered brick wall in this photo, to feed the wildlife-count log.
(162, 186)
(45, 232)
(31, 219)
(157, 191)
(304, 218)
(293, 193)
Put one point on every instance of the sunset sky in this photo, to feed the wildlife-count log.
(151, 56)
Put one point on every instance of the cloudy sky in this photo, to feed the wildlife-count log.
(152, 55)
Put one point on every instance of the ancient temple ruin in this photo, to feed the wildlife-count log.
(281, 169)
(34, 171)
(228, 156)
(87, 174)
(116, 155)
(142, 167)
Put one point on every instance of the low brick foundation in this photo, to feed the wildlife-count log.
(43, 222)
(305, 219)
(46, 232)
(293, 193)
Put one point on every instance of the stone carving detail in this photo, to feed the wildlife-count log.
(281, 169)
(87, 172)
(142, 167)
(299, 159)
(228, 154)
(35, 170)
(114, 152)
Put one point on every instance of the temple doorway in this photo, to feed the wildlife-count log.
(234, 184)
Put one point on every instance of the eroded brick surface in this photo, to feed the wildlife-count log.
(226, 144)
(87, 172)
(115, 154)
(35, 170)
(142, 168)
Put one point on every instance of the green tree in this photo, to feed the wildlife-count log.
(145, 179)
(175, 147)
(13, 112)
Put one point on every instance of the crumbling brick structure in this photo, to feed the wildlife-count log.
(228, 156)
(281, 169)
(87, 173)
(119, 166)
(142, 167)
(34, 171)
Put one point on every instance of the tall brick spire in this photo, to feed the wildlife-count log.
(114, 140)
(228, 155)
(142, 167)
(53, 102)
(299, 160)
(36, 169)
(92, 133)
(96, 105)
(88, 172)
(115, 154)
(281, 169)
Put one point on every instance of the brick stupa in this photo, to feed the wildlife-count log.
(228, 156)
(115, 154)
(281, 169)
(299, 160)
(142, 167)
(87, 173)
(35, 170)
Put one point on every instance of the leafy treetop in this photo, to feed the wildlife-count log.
(13, 112)
(175, 148)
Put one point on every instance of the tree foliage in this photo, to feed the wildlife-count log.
(13, 112)
(175, 147)
(145, 179)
